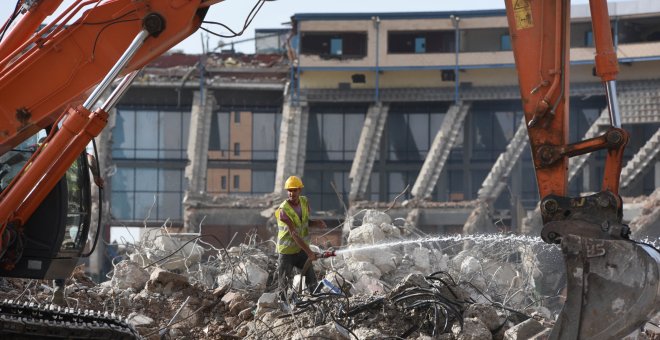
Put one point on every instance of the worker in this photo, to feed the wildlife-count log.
(293, 236)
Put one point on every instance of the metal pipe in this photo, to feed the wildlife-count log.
(457, 45)
(297, 63)
(119, 91)
(118, 67)
(377, 25)
(613, 103)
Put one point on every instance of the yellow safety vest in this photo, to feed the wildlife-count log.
(285, 242)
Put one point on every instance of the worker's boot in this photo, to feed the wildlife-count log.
(58, 296)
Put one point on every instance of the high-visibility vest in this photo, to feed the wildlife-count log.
(285, 242)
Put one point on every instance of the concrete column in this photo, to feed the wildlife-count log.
(198, 145)
(367, 149)
(293, 142)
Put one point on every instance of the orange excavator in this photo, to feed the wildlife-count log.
(613, 282)
(51, 78)
(51, 81)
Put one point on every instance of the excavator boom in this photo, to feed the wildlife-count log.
(613, 282)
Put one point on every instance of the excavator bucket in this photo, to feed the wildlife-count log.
(613, 288)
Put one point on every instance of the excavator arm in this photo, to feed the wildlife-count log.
(52, 79)
(612, 282)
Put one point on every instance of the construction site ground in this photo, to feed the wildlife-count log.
(389, 281)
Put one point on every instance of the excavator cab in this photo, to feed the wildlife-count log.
(53, 239)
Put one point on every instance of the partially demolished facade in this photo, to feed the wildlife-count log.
(414, 113)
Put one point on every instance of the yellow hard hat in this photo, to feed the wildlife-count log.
(293, 182)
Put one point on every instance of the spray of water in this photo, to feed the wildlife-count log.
(491, 239)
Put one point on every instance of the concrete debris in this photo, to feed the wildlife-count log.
(166, 283)
(388, 281)
(129, 274)
(524, 330)
(647, 224)
(479, 221)
(472, 329)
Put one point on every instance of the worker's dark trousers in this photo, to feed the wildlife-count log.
(285, 264)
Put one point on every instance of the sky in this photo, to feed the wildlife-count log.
(275, 14)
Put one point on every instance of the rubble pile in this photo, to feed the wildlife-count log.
(389, 281)
(646, 226)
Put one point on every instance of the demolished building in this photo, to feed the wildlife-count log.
(368, 112)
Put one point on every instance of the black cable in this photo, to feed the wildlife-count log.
(248, 20)
(13, 17)
(103, 28)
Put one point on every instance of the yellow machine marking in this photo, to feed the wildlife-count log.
(522, 11)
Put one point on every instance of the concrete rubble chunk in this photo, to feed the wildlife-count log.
(473, 329)
(137, 319)
(411, 280)
(166, 283)
(159, 244)
(543, 335)
(245, 275)
(327, 331)
(129, 274)
(376, 218)
(486, 313)
(367, 233)
(229, 297)
(524, 330)
(267, 302)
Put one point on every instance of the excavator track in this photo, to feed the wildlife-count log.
(33, 321)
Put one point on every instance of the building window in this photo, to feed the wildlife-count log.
(335, 46)
(265, 135)
(401, 42)
(505, 42)
(343, 45)
(420, 45)
(334, 132)
(223, 182)
(237, 117)
(411, 129)
(138, 193)
(167, 140)
(237, 183)
(589, 38)
(237, 149)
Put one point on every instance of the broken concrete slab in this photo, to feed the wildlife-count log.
(166, 283)
(486, 313)
(524, 330)
(472, 329)
(129, 274)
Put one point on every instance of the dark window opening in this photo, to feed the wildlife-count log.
(334, 45)
(223, 182)
(639, 30)
(505, 42)
(359, 78)
(448, 75)
(420, 41)
(237, 149)
(236, 181)
(237, 117)
(420, 45)
(589, 38)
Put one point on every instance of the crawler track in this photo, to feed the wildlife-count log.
(32, 321)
